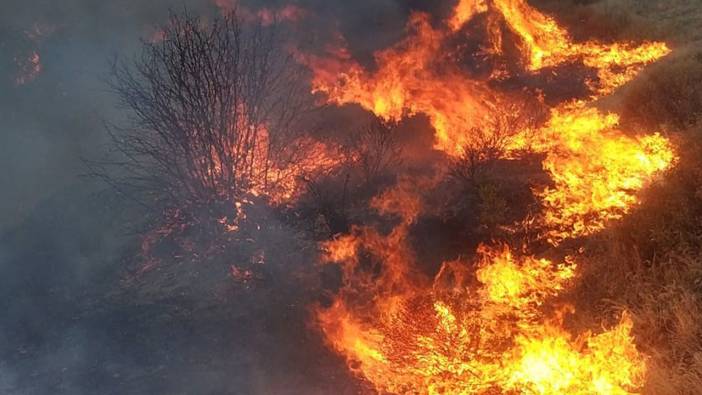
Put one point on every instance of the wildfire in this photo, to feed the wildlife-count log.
(489, 325)
(463, 334)
(596, 169)
(418, 75)
(282, 181)
(546, 44)
(276, 172)
(407, 82)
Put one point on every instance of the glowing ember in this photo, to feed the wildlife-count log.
(282, 182)
(29, 68)
(276, 172)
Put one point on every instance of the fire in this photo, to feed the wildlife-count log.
(458, 334)
(28, 69)
(407, 83)
(275, 172)
(418, 75)
(607, 363)
(596, 169)
(465, 10)
(546, 44)
(282, 181)
(495, 323)
(518, 284)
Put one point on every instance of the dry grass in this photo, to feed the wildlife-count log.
(668, 95)
(665, 302)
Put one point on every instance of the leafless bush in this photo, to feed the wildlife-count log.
(492, 141)
(374, 148)
(214, 109)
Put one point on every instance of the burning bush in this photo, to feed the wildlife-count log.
(217, 126)
(216, 113)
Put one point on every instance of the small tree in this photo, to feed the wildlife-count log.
(214, 110)
(374, 148)
(493, 140)
(486, 188)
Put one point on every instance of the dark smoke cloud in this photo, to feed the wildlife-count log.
(50, 122)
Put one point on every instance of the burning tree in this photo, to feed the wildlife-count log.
(216, 112)
(374, 148)
(495, 139)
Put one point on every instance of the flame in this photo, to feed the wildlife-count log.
(546, 44)
(596, 169)
(282, 182)
(607, 363)
(451, 335)
(406, 83)
(464, 11)
(492, 324)
(274, 172)
(418, 76)
(517, 284)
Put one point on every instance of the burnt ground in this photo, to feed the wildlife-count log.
(74, 323)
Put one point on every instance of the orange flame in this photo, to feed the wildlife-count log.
(596, 168)
(275, 172)
(546, 44)
(490, 325)
(489, 337)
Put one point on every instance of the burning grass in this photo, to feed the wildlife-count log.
(495, 324)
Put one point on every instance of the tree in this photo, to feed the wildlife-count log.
(374, 148)
(488, 190)
(214, 111)
(493, 140)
